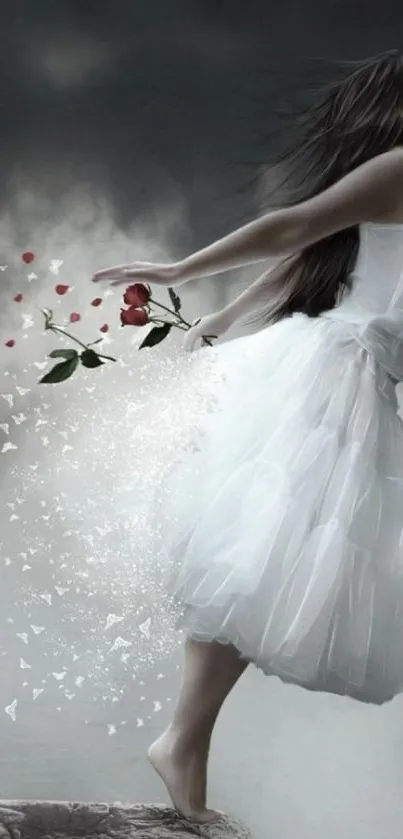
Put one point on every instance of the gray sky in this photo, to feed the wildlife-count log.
(141, 101)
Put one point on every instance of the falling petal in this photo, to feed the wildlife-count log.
(18, 297)
(61, 289)
(28, 257)
(10, 343)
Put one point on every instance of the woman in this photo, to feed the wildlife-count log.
(289, 546)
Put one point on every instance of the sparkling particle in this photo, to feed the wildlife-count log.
(37, 629)
(145, 627)
(28, 321)
(120, 642)
(23, 636)
(37, 692)
(47, 598)
(8, 447)
(111, 620)
(11, 709)
(55, 265)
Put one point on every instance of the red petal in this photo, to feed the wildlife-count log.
(10, 343)
(18, 298)
(97, 301)
(104, 328)
(61, 289)
(74, 317)
(28, 257)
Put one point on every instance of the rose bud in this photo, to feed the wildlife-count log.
(74, 317)
(137, 295)
(28, 257)
(97, 301)
(61, 289)
(18, 298)
(133, 317)
(10, 343)
(104, 328)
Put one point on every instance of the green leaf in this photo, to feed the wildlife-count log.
(63, 354)
(89, 358)
(175, 300)
(156, 335)
(60, 372)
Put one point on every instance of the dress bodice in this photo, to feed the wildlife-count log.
(373, 308)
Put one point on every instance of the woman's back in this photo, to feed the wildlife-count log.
(373, 308)
(377, 279)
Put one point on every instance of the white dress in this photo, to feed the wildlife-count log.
(284, 525)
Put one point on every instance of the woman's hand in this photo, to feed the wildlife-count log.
(210, 326)
(152, 273)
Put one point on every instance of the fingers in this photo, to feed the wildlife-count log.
(191, 338)
(115, 272)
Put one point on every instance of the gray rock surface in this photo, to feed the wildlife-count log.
(67, 820)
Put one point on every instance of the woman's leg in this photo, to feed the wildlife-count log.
(180, 756)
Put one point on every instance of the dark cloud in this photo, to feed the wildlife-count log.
(135, 97)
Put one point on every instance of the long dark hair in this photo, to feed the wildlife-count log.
(356, 118)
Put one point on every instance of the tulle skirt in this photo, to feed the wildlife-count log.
(283, 520)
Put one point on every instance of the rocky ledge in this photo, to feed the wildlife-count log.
(68, 820)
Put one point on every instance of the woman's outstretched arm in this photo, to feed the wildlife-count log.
(371, 192)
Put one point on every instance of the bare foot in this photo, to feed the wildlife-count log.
(184, 779)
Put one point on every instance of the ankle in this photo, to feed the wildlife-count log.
(182, 743)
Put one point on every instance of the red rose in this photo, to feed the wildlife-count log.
(133, 317)
(18, 298)
(97, 301)
(74, 317)
(104, 328)
(137, 295)
(28, 257)
(10, 343)
(61, 289)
